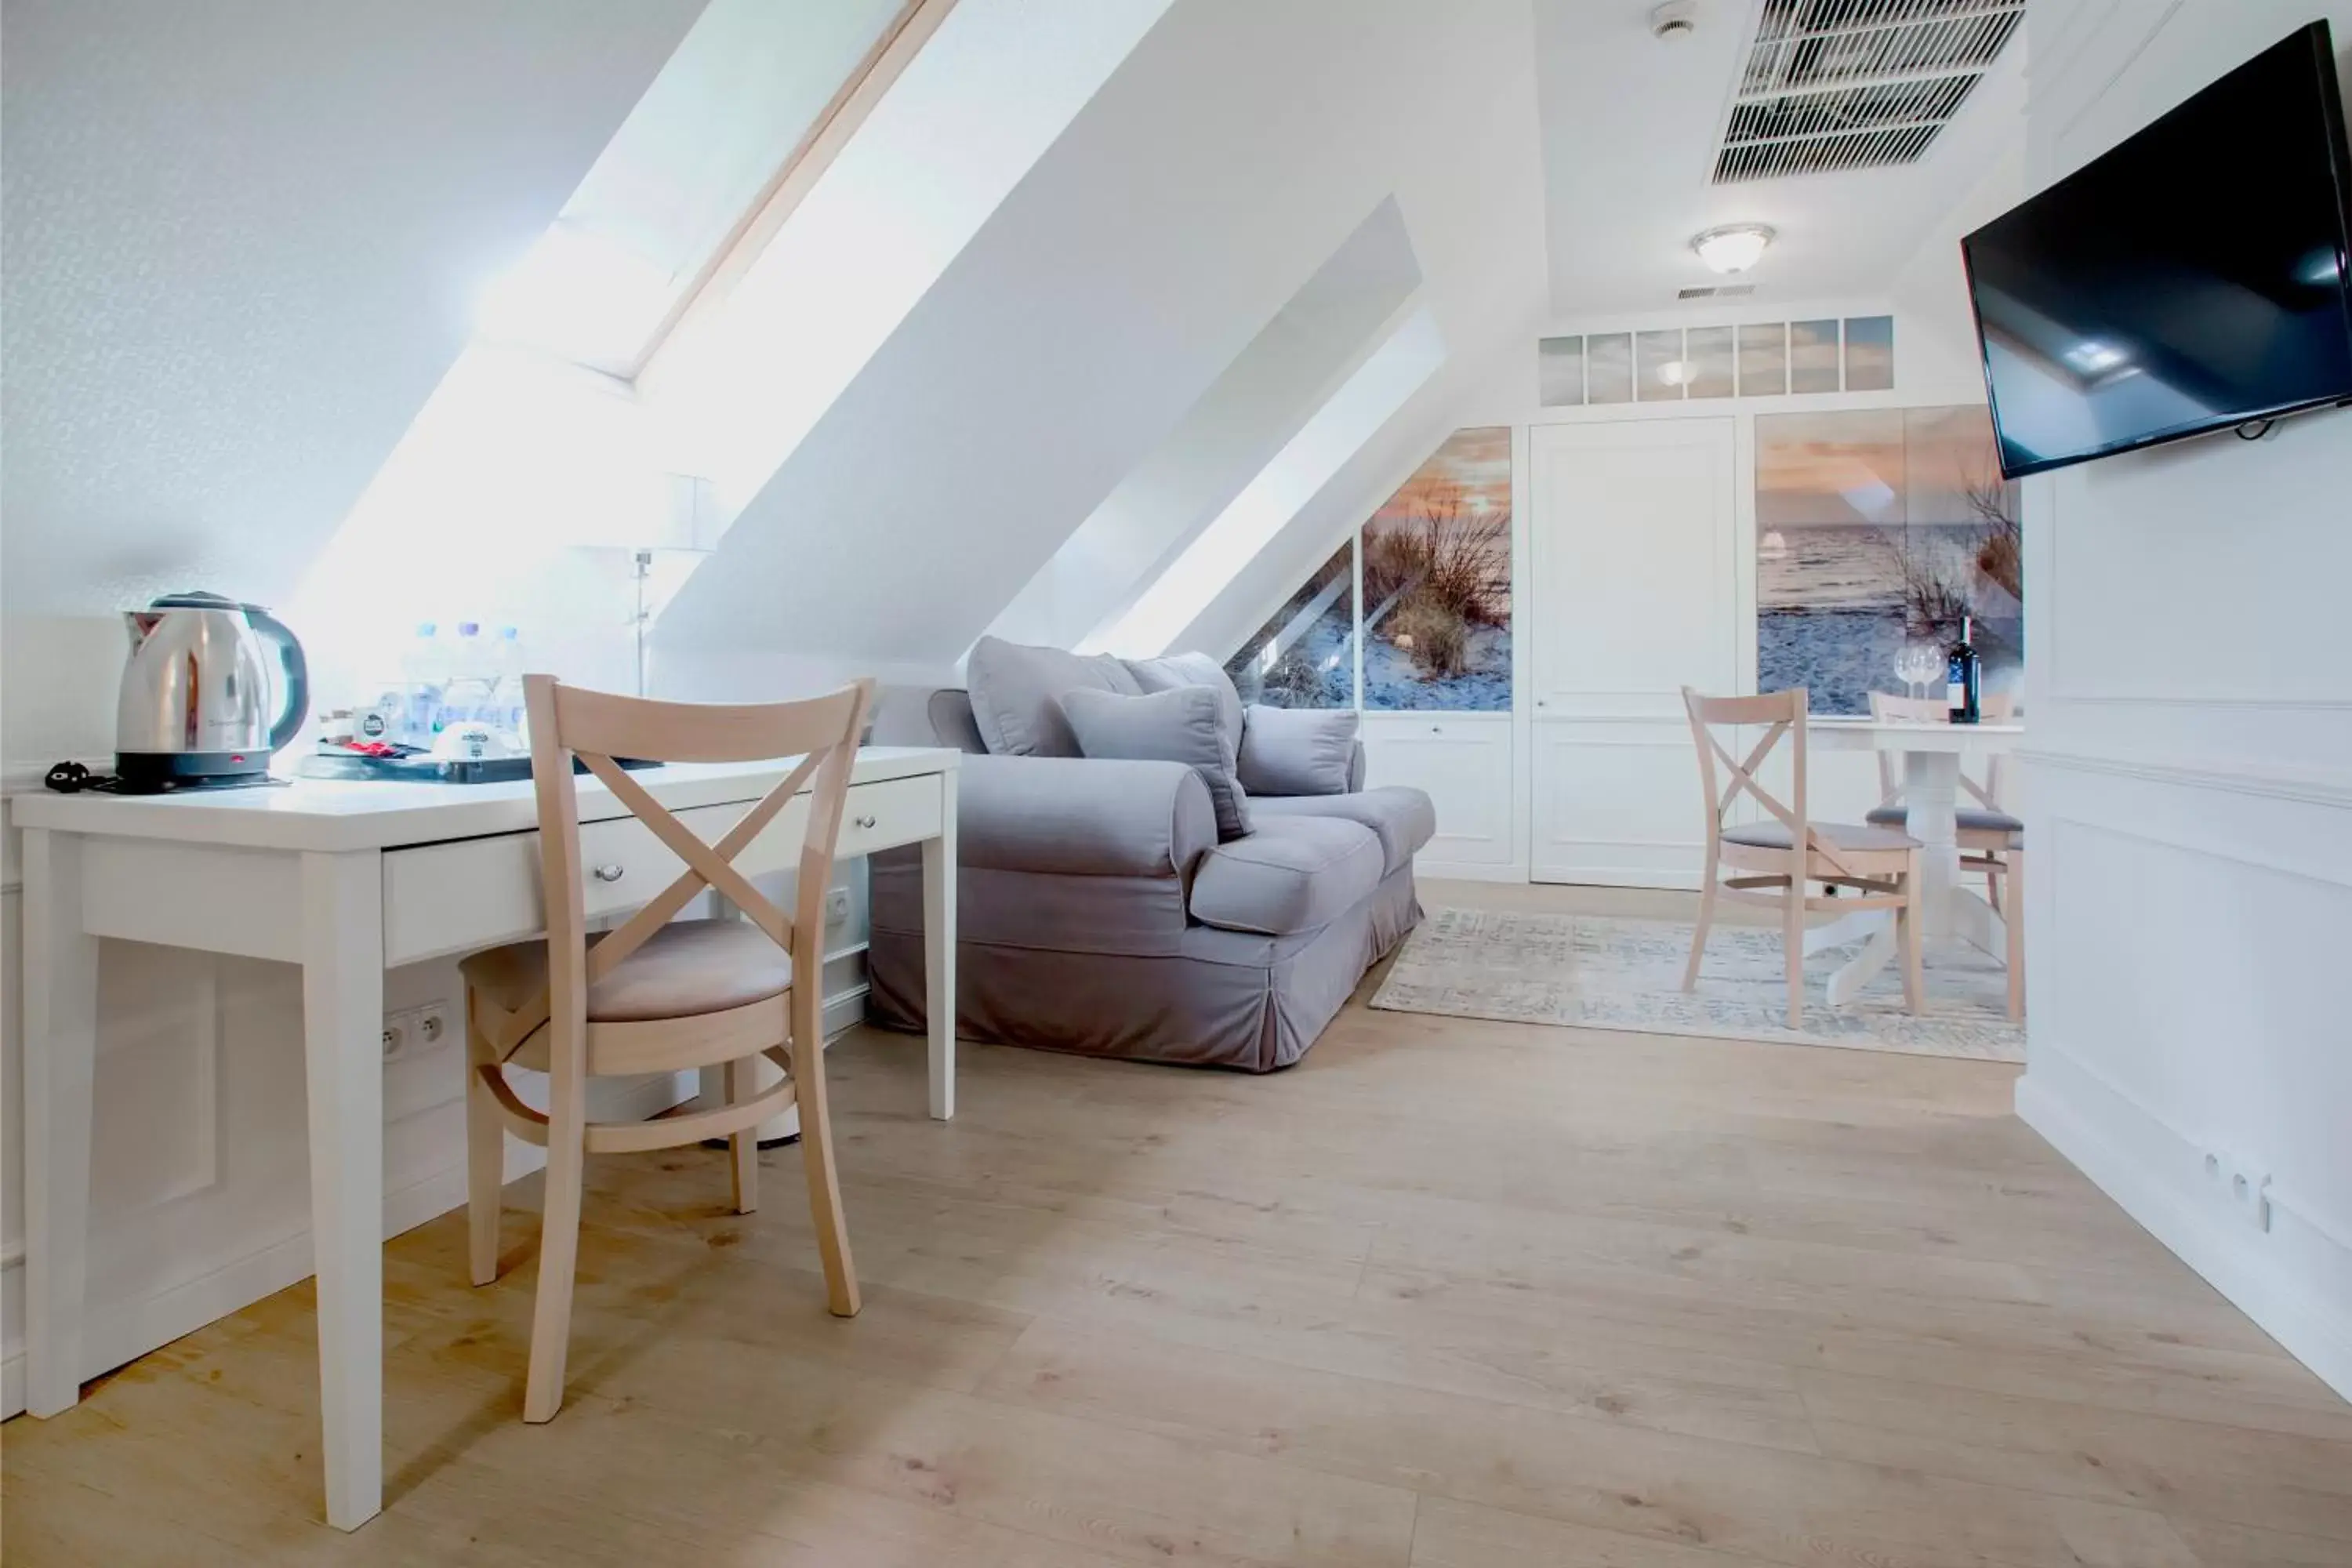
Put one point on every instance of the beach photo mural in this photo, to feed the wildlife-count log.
(1437, 583)
(1876, 527)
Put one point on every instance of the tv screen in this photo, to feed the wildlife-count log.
(2191, 279)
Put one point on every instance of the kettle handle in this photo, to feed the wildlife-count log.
(297, 677)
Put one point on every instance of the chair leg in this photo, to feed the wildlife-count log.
(486, 1153)
(1792, 939)
(1909, 931)
(744, 1148)
(816, 1153)
(1706, 919)
(2013, 918)
(559, 1241)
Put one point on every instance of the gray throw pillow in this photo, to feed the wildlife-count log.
(1184, 724)
(1016, 694)
(1192, 669)
(1298, 751)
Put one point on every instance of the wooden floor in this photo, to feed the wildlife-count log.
(1449, 1294)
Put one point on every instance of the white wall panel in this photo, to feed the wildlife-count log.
(1464, 762)
(2187, 921)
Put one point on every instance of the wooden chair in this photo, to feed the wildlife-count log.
(1991, 839)
(1789, 850)
(657, 994)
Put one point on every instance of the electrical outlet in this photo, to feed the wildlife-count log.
(837, 907)
(2245, 1190)
(409, 1030)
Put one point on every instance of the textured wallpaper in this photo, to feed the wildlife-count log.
(242, 243)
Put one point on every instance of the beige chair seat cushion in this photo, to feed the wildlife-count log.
(685, 969)
(1970, 819)
(1836, 835)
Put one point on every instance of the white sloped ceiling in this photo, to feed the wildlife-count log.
(245, 239)
(1229, 157)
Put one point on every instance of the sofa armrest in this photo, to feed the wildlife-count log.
(1081, 816)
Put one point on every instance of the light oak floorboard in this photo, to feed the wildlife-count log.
(1449, 1293)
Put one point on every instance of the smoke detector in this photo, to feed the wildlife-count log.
(1674, 19)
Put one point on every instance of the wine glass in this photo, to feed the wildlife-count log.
(1921, 663)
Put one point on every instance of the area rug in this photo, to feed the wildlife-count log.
(1601, 973)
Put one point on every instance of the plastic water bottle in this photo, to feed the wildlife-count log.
(511, 663)
(469, 697)
(424, 673)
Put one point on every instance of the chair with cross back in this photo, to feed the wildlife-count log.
(1775, 859)
(657, 993)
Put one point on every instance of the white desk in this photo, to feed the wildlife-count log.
(1931, 788)
(348, 879)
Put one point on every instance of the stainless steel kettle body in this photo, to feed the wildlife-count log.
(214, 686)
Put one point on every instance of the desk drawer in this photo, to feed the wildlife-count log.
(473, 893)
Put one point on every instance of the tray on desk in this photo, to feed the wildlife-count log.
(432, 770)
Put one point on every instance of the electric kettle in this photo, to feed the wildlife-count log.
(213, 688)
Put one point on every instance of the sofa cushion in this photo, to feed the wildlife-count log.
(1298, 751)
(1403, 819)
(1192, 670)
(1182, 724)
(1016, 693)
(1295, 874)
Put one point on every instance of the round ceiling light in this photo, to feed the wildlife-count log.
(1734, 247)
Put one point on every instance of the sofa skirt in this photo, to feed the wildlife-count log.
(1226, 999)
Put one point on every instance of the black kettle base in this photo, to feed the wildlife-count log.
(159, 773)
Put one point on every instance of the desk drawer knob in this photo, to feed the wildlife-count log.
(608, 873)
(866, 820)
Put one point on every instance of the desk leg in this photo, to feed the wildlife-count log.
(939, 950)
(60, 1054)
(343, 1032)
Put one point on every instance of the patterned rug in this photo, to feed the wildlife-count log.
(1597, 973)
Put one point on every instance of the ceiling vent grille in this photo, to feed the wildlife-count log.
(1716, 292)
(1856, 84)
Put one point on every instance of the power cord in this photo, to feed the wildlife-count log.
(2255, 429)
(71, 778)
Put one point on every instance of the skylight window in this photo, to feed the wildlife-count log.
(582, 296)
(743, 107)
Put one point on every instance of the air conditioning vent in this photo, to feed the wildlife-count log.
(1716, 292)
(1856, 84)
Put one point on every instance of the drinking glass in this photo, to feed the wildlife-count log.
(1922, 663)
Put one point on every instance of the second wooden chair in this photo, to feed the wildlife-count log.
(1991, 839)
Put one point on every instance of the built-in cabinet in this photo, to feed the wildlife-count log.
(1464, 762)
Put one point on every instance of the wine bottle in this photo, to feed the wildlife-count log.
(1964, 675)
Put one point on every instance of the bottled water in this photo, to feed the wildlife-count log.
(511, 663)
(470, 697)
(424, 675)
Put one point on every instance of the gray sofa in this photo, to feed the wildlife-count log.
(1097, 911)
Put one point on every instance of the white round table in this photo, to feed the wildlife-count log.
(1932, 754)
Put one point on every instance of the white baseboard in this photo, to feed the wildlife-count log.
(2108, 1137)
(115, 1337)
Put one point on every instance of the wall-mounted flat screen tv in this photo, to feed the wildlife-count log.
(2193, 279)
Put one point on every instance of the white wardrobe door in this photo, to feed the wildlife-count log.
(1636, 594)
